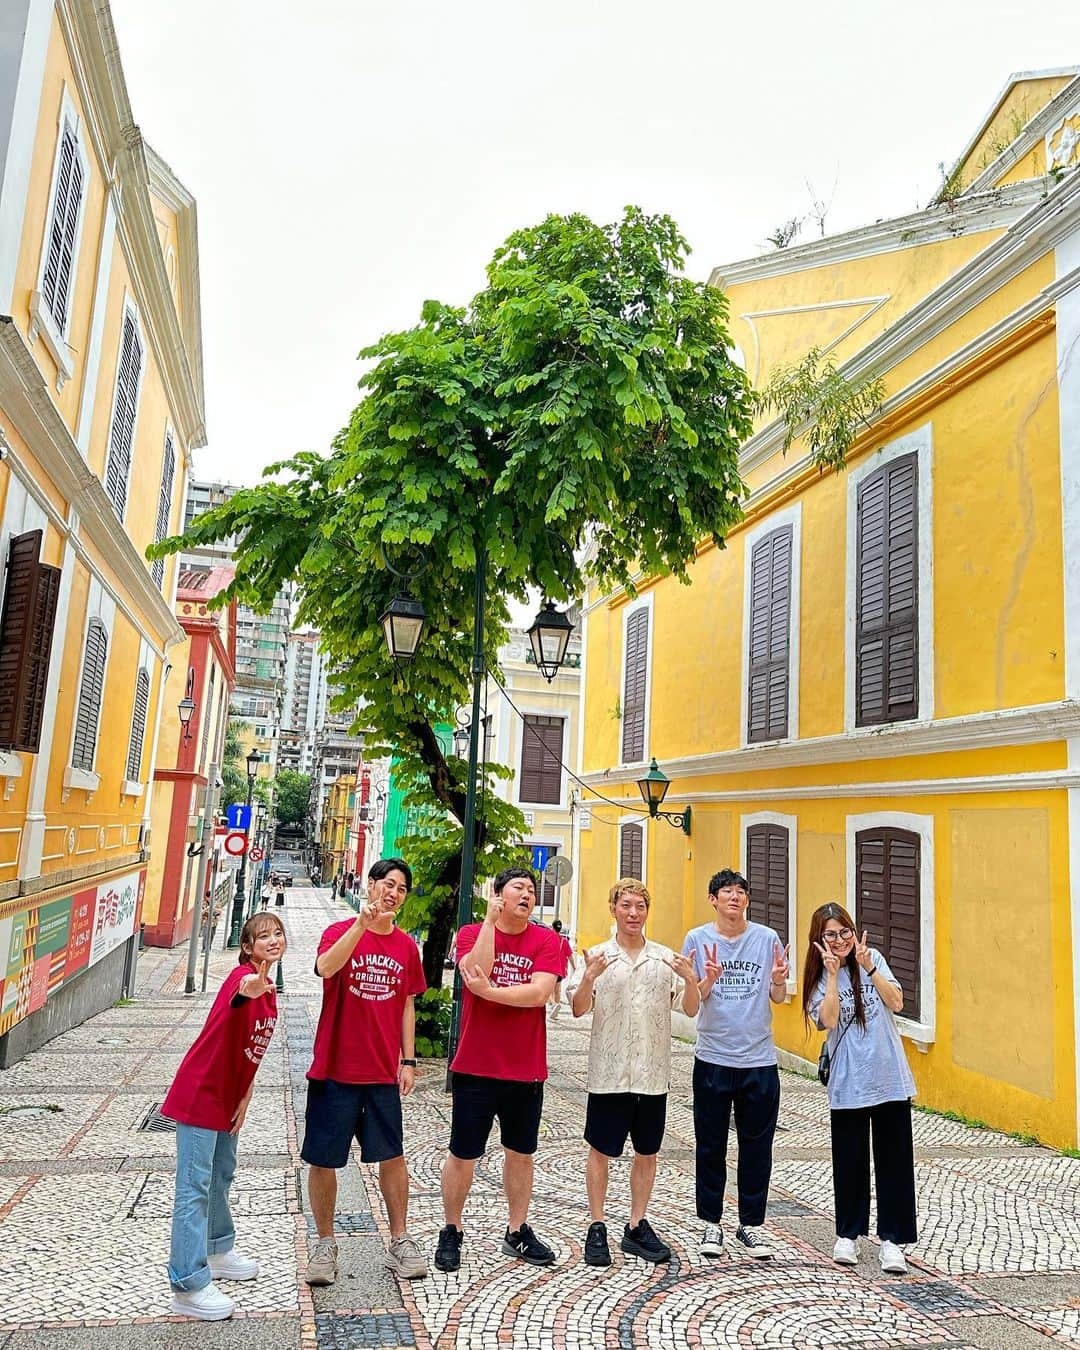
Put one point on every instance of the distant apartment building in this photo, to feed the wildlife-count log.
(304, 701)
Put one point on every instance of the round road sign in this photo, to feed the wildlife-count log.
(256, 854)
(235, 843)
(559, 870)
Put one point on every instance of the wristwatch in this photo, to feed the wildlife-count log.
(408, 1063)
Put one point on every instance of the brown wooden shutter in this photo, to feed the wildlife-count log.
(889, 904)
(91, 689)
(161, 528)
(138, 725)
(541, 759)
(122, 433)
(26, 636)
(767, 872)
(631, 851)
(887, 601)
(770, 622)
(636, 662)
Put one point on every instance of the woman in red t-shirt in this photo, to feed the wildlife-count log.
(209, 1100)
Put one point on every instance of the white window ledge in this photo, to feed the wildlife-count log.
(921, 1033)
(81, 778)
(10, 764)
(130, 789)
(41, 325)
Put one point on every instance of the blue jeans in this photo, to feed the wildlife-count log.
(201, 1222)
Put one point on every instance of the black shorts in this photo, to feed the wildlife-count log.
(477, 1102)
(611, 1116)
(339, 1112)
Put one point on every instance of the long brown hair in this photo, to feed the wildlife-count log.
(260, 922)
(814, 965)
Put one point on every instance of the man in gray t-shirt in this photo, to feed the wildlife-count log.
(742, 970)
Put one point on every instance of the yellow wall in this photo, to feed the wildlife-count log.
(1016, 109)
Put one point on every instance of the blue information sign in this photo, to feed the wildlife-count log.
(239, 817)
(540, 855)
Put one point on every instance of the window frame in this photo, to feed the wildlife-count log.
(561, 803)
(923, 1030)
(157, 566)
(791, 825)
(643, 602)
(99, 605)
(623, 822)
(130, 310)
(133, 786)
(790, 516)
(919, 442)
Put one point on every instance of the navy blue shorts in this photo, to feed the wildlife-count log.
(337, 1113)
(477, 1103)
(612, 1116)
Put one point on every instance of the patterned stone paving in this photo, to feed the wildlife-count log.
(998, 1261)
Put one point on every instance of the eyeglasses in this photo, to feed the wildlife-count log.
(839, 935)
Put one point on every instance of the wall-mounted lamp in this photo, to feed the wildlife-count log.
(653, 788)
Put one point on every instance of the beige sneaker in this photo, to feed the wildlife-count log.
(322, 1268)
(404, 1258)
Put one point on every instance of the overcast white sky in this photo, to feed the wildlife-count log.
(351, 159)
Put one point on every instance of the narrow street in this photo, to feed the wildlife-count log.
(86, 1194)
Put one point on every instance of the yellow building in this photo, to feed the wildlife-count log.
(335, 825)
(872, 695)
(101, 404)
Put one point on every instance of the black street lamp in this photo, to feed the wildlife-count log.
(254, 759)
(403, 624)
(653, 788)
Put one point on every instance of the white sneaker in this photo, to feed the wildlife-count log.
(846, 1252)
(232, 1266)
(712, 1240)
(754, 1241)
(206, 1305)
(892, 1259)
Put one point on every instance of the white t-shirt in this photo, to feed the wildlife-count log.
(735, 1021)
(867, 1064)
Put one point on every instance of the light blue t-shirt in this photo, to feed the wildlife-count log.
(867, 1065)
(735, 1021)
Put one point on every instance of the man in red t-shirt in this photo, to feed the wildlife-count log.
(364, 1063)
(509, 967)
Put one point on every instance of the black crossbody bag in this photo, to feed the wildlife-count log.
(824, 1064)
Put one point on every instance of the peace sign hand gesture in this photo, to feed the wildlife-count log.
(863, 954)
(257, 983)
(780, 964)
(713, 969)
(829, 960)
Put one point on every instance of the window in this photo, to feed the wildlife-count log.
(889, 904)
(632, 851)
(61, 239)
(161, 529)
(125, 408)
(207, 714)
(887, 594)
(769, 636)
(26, 636)
(138, 726)
(635, 685)
(541, 759)
(767, 871)
(91, 690)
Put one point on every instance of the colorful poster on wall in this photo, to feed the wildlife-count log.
(44, 946)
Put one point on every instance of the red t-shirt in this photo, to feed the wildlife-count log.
(567, 955)
(359, 1035)
(217, 1071)
(498, 1041)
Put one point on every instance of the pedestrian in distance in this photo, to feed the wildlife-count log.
(743, 970)
(209, 1099)
(850, 993)
(569, 964)
(509, 967)
(364, 1063)
(631, 985)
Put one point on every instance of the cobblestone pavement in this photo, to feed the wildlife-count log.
(86, 1194)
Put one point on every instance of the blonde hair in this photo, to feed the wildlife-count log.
(629, 886)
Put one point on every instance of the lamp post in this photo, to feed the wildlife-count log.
(254, 759)
(653, 788)
(403, 624)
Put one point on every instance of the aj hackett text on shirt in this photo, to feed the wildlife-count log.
(741, 979)
(261, 1032)
(375, 976)
(510, 968)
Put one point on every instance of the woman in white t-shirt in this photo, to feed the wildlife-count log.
(850, 993)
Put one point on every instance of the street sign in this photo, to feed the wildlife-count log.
(540, 855)
(559, 870)
(235, 843)
(256, 854)
(239, 817)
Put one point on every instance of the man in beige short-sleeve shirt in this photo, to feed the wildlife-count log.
(631, 985)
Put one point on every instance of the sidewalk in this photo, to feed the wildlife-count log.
(86, 1195)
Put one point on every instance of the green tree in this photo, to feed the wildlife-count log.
(233, 774)
(580, 417)
(293, 790)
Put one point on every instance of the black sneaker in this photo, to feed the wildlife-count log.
(526, 1246)
(754, 1241)
(448, 1252)
(596, 1248)
(642, 1241)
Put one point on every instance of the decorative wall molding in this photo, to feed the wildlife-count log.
(1036, 130)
